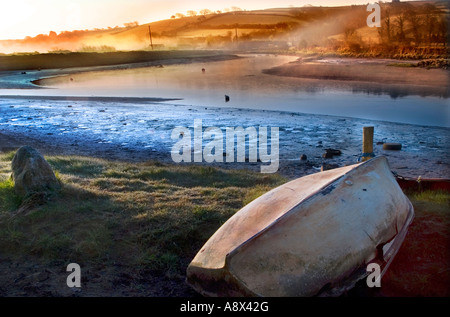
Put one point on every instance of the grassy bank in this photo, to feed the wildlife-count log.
(148, 220)
(133, 228)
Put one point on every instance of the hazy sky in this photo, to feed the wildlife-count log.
(20, 18)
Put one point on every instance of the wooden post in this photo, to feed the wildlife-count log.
(367, 147)
(150, 34)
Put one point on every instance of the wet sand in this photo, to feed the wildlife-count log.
(398, 78)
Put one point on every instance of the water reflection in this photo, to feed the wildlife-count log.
(247, 86)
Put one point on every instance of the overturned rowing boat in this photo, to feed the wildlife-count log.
(422, 184)
(313, 236)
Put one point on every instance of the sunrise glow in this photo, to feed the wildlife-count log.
(21, 18)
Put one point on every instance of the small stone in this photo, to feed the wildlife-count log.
(392, 146)
(334, 152)
(326, 167)
(329, 153)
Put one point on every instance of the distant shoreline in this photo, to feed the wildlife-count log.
(80, 59)
(376, 73)
(132, 100)
(29, 71)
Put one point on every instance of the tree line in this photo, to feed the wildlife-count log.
(413, 25)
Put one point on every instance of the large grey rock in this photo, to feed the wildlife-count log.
(32, 173)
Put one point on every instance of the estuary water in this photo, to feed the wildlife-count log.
(117, 113)
(243, 80)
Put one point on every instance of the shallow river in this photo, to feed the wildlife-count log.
(247, 87)
(311, 116)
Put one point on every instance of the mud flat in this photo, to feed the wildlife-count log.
(133, 129)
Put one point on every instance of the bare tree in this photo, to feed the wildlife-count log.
(400, 23)
(442, 29)
(430, 21)
(131, 24)
(191, 13)
(205, 12)
(415, 22)
(385, 32)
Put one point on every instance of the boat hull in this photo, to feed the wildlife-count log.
(313, 236)
(427, 184)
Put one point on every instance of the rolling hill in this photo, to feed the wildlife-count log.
(277, 28)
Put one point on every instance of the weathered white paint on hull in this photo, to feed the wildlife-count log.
(313, 236)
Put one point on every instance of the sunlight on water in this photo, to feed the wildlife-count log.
(247, 87)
